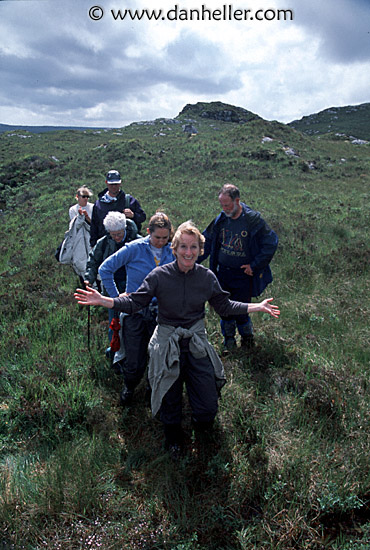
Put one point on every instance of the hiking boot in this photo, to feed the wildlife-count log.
(117, 367)
(175, 451)
(203, 431)
(247, 341)
(126, 397)
(174, 437)
(229, 344)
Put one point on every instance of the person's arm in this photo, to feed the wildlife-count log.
(221, 303)
(81, 222)
(91, 297)
(94, 227)
(110, 266)
(95, 259)
(84, 212)
(139, 215)
(267, 242)
(128, 303)
(72, 213)
(230, 307)
(207, 233)
(265, 307)
(141, 298)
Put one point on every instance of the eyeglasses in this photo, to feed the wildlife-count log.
(84, 196)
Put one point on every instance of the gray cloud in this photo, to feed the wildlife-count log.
(200, 66)
(75, 66)
(343, 27)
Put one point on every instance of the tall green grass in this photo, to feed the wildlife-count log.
(288, 464)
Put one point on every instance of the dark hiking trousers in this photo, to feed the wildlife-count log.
(199, 378)
(137, 330)
(240, 287)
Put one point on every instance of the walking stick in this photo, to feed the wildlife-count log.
(88, 327)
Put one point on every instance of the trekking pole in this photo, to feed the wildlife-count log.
(88, 327)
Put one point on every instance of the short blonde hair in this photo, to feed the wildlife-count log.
(190, 229)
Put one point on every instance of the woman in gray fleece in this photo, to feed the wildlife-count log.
(179, 349)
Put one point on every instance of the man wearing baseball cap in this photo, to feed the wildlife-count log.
(114, 199)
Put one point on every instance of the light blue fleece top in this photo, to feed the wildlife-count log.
(139, 261)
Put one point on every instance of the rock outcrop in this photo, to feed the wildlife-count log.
(219, 111)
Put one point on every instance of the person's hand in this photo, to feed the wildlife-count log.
(128, 213)
(88, 297)
(267, 307)
(247, 269)
(84, 212)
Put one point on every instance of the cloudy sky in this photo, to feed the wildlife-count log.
(77, 62)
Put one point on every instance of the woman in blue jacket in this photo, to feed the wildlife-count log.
(139, 257)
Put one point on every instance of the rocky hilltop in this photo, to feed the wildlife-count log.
(352, 120)
(217, 110)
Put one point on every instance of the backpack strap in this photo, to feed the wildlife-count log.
(132, 230)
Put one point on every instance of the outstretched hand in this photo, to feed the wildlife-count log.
(267, 307)
(88, 297)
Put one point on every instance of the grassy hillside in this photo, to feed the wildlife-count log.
(289, 465)
(353, 120)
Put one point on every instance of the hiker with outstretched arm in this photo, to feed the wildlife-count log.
(179, 349)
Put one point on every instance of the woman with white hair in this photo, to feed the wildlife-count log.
(120, 231)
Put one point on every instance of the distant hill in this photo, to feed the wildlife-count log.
(214, 138)
(42, 129)
(217, 110)
(353, 120)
